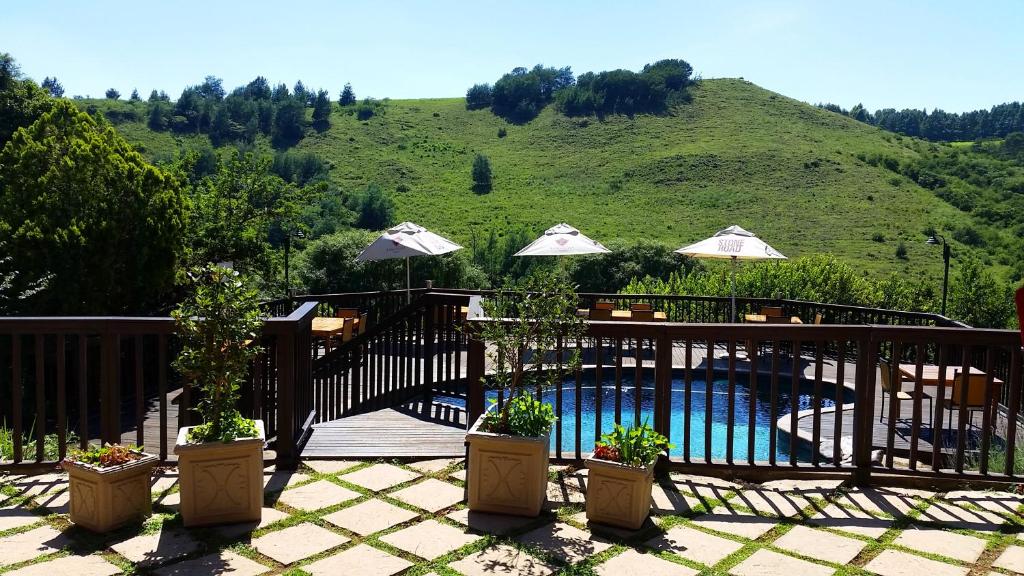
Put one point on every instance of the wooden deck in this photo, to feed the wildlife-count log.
(412, 430)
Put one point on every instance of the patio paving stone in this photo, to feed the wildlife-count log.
(670, 502)
(429, 539)
(431, 495)
(362, 559)
(499, 524)
(696, 480)
(695, 545)
(172, 500)
(998, 502)
(380, 477)
(162, 483)
(895, 563)
(854, 521)
(941, 542)
(770, 503)
(157, 548)
(330, 466)
(28, 545)
(369, 517)
(69, 566)
(267, 517)
(319, 494)
(277, 481)
(1011, 559)
(41, 484)
(768, 563)
(567, 542)
(559, 495)
(502, 560)
(226, 562)
(432, 466)
(633, 562)
(803, 486)
(460, 475)
(953, 516)
(16, 516)
(735, 522)
(297, 542)
(878, 501)
(820, 545)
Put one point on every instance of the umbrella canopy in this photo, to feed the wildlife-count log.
(562, 240)
(733, 243)
(405, 241)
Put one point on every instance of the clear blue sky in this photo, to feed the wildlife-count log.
(953, 55)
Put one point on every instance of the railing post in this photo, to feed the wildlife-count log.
(286, 457)
(663, 388)
(110, 409)
(429, 313)
(864, 408)
(474, 378)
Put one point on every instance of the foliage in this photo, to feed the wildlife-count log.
(976, 298)
(347, 96)
(481, 174)
(374, 208)
(106, 456)
(12, 289)
(289, 119)
(495, 256)
(997, 122)
(321, 111)
(82, 205)
(218, 323)
(112, 94)
(299, 167)
(21, 101)
(901, 250)
(521, 94)
(366, 109)
(637, 446)
(51, 443)
(529, 320)
(613, 271)
(53, 86)
(625, 92)
(479, 96)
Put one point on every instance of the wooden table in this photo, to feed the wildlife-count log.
(930, 374)
(328, 328)
(624, 315)
(762, 319)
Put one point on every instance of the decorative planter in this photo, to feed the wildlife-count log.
(507, 474)
(617, 494)
(221, 482)
(103, 499)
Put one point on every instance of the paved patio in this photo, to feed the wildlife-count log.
(386, 518)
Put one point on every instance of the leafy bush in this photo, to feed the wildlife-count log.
(637, 446)
(901, 251)
(375, 209)
(527, 417)
(106, 456)
(977, 298)
(481, 174)
(613, 271)
(478, 96)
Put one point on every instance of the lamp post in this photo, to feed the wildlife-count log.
(934, 240)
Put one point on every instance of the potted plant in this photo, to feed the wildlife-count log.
(507, 470)
(221, 460)
(622, 474)
(109, 486)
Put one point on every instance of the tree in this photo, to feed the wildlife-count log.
(135, 96)
(212, 88)
(112, 94)
(81, 204)
(613, 271)
(977, 298)
(481, 174)
(52, 86)
(157, 116)
(478, 96)
(322, 111)
(302, 94)
(348, 97)
(289, 118)
(21, 101)
(375, 210)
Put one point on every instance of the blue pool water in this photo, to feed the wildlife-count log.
(699, 397)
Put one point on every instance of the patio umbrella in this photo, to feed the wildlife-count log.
(405, 241)
(562, 240)
(733, 243)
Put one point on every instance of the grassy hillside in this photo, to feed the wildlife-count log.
(738, 154)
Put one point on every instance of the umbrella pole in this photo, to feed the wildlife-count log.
(408, 281)
(734, 289)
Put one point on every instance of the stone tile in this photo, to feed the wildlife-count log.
(28, 545)
(952, 516)
(432, 466)
(162, 483)
(941, 542)
(55, 502)
(770, 503)
(369, 517)
(158, 548)
(12, 517)
(69, 566)
(768, 563)
(998, 502)
(460, 475)
(41, 484)
(431, 495)
(502, 560)
(362, 559)
(267, 517)
(380, 477)
(895, 563)
(499, 524)
(1011, 559)
(735, 522)
(670, 502)
(854, 521)
(792, 485)
(319, 494)
(560, 494)
(633, 562)
(429, 539)
(225, 562)
(297, 542)
(820, 545)
(695, 545)
(878, 501)
(172, 501)
(278, 481)
(564, 541)
(695, 480)
(330, 466)
(615, 532)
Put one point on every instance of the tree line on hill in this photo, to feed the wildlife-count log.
(939, 125)
(521, 94)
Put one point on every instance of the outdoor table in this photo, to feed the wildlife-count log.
(930, 374)
(762, 319)
(622, 315)
(328, 328)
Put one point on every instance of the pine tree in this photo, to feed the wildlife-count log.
(348, 97)
(52, 86)
(112, 94)
(322, 111)
(135, 96)
(481, 174)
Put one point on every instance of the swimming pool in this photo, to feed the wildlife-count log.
(698, 399)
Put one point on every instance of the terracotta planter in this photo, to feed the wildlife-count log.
(221, 483)
(103, 499)
(617, 494)
(507, 474)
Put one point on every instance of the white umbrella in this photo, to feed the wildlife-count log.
(405, 241)
(733, 243)
(562, 240)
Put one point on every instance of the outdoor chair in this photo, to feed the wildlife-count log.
(346, 313)
(640, 307)
(642, 316)
(769, 311)
(604, 305)
(817, 318)
(895, 392)
(362, 324)
(976, 386)
(600, 314)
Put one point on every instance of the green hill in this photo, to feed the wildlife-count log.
(798, 176)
